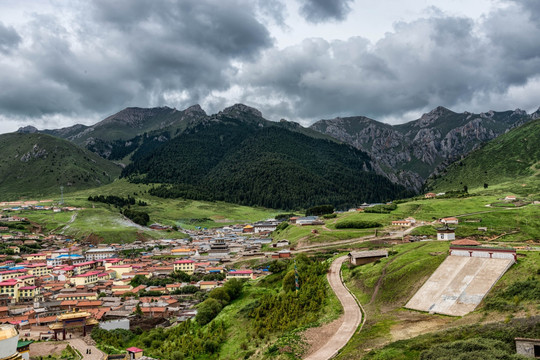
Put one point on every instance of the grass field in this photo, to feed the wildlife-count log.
(105, 221)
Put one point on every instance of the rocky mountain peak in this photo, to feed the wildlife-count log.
(195, 110)
(536, 115)
(240, 109)
(519, 112)
(27, 129)
(430, 117)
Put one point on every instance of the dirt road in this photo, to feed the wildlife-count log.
(352, 316)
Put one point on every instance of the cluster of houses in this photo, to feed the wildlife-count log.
(36, 288)
(45, 284)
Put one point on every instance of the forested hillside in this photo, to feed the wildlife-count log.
(239, 161)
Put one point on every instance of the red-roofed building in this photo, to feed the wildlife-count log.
(241, 274)
(134, 353)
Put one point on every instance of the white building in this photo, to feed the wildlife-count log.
(100, 254)
(446, 233)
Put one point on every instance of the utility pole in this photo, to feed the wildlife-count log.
(296, 283)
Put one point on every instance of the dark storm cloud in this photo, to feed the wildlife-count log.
(420, 65)
(122, 53)
(317, 11)
(9, 38)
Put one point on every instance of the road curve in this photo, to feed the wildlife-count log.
(352, 316)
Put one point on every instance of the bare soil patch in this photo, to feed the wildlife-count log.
(317, 337)
(48, 348)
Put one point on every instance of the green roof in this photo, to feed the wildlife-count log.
(21, 344)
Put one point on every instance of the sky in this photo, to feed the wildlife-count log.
(68, 62)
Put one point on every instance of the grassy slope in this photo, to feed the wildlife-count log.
(399, 277)
(51, 163)
(512, 157)
(520, 224)
(241, 342)
(105, 221)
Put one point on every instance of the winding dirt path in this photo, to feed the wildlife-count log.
(352, 315)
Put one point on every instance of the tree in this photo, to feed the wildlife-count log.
(485, 185)
(137, 280)
(220, 294)
(234, 288)
(207, 311)
(289, 283)
(277, 266)
(138, 310)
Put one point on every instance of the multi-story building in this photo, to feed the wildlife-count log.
(100, 253)
(187, 266)
(10, 288)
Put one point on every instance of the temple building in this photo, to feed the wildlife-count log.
(73, 321)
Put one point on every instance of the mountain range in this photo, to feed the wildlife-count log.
(409, 153)
(237, 155)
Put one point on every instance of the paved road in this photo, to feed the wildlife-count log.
(351, 314)
(80, 345)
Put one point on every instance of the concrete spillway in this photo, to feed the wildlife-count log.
(458, 285)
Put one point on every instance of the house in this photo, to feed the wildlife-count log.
(89, 277)
(281, 243)
(510, 198)
(182, 252)
(528, 347)
(208, 285)
(248, 229)
(446, 233)
(100, 253)
(309, 220)
(281, 254)
(430, 195)
(449, 220)
(187, 266)
(365, 257)
(265, 226)
(134, 353)
(240, 274)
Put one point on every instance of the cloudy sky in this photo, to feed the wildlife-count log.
(66, 62)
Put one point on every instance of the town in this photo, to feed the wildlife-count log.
(57, 288)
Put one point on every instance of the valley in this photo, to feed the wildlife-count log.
(215, 229)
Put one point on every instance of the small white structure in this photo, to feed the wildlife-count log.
(528, 347)
(446, 233)
(449, 220)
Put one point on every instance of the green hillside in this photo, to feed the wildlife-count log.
(512, 157)
(248, 162)
(38, 164)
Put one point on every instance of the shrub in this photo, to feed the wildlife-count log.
(357, 224)
(207, 311)
(381, 209)
(320, 210)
